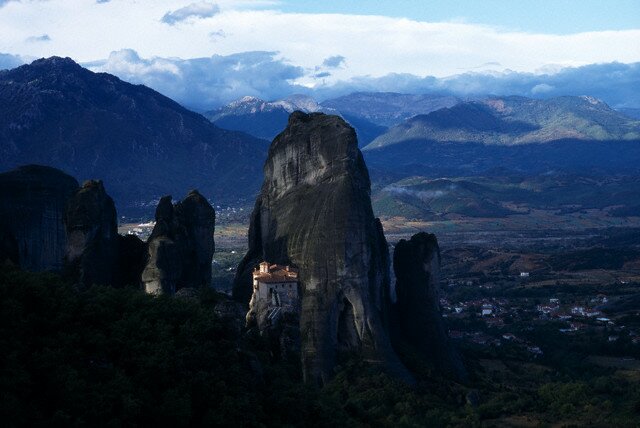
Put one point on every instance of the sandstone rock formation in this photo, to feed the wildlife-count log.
(32, 204)
(314, 213)
(181, 245)
(92, 236)
(418, 320)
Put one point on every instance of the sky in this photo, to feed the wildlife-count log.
(206, 53)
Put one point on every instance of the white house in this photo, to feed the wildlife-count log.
(276, 285)
(487, 310)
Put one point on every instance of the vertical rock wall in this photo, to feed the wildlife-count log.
(92, 236)
(32, 204)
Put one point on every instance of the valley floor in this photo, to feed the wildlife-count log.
(530, 300)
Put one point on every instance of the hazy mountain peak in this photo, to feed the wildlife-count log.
(47, 69)
(388, 108)
(250, 105)
(592, 100)
(263, 119)
(266, 119)
(246, 100)
(56, 62)
(303, 103)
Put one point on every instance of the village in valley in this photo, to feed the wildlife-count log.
(501, 294)
(493, 309)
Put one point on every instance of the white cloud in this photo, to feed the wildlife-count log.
(37, 39)
(203, 83)
(233, 48)
(541, 88)
(374, 45)
(334, 61)
(199, 10)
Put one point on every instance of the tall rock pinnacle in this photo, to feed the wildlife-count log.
(92, 235)
(314, 213)
(181, 245)
(418, 320)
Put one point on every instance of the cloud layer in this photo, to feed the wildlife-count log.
(204, 83)
(615, 83)
(370, 45)
(205, 53)
(10, 61)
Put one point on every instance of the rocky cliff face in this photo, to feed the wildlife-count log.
(92, 236)
(314, 213)
(181, 245)
(418, 320)
(32, 205)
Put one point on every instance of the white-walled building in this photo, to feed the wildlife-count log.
(276, 285)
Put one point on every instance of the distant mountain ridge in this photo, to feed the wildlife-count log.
(516, 120)
(266, 119)
(388, 108)
(505, 135)
(249, 105)
(498, 196)
(141, 143)
(631, 112)
(261, 118)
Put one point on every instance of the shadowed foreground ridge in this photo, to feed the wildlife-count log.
(314, 213)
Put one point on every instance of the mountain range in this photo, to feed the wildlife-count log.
(516, 120)
(388, 108)
(141, 143)
(261, 118)
(507, 135)
(144, 145)
(370, 113)
(266, 119)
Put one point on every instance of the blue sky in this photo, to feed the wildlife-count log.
(206, 52)
(546, 16)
